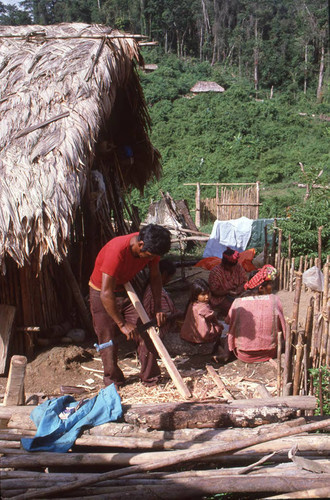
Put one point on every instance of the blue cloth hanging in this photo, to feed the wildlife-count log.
(55, 434)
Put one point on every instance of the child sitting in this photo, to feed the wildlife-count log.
(201, 324)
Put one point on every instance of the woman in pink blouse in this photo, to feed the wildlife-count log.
(254, 320)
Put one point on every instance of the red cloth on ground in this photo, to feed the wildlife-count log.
(200, 324)
(117, 260)
(245, 259)
(253, 325)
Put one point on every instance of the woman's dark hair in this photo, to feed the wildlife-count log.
(199, 286)
(156, 239)
(167, 266)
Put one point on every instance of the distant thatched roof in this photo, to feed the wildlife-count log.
(59, 86)
(207, 87)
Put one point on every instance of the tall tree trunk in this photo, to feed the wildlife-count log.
(305, 69)
(321, 72)
(201, 41)
(256, 55)
(166, 42)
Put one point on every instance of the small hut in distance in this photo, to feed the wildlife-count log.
(73, 142)
(206, 87)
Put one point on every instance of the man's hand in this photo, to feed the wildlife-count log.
(129, 330)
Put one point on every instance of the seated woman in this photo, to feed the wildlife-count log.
(226, 281)
(200, 324)
(167, 271)
(254, 320)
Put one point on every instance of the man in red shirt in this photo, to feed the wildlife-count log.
(116, 264)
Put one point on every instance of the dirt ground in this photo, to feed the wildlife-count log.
(58, 366)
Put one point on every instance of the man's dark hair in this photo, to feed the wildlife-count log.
(156, 239)
(167, 266)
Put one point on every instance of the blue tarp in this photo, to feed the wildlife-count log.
(55, 434)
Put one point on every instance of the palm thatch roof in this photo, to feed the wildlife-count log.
(206, 87)
(69, 99)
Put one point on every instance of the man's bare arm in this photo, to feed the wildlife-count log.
(108, 299)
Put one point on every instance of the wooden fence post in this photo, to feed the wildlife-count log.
(198, 205)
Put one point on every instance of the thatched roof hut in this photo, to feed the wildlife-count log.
(206, 87)
(73, 141)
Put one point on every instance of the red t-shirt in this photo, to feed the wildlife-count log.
(117, 260)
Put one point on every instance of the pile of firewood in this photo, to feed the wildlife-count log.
(175, 450)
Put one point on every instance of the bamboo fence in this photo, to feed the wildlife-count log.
(307, 343)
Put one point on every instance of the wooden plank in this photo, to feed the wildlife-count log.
(14, 394)
(166, 358)
(7, 315)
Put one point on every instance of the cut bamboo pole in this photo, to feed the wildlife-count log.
(297, 367)
(198, 205)
(279, 368)
(279, 248)
(319, 246)
(216, 378)
(14, 394)
(296, 301)
(300, 269)
(170, 366)
(287, 373)
(291, 275)
(174, 459)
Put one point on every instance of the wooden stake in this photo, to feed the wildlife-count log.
(296, 301)
(297, 367)
(14, 394)
(266, 246)
(170, 366)
(287, 374)
(279, 368)
(216, 378)
(279, 248)
(198, 205)
(291, 275)
(319, 246)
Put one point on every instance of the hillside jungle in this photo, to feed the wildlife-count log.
(272, 122)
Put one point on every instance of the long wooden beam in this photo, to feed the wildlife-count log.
(161, 349)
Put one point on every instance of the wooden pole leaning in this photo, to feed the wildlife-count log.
(165, 357)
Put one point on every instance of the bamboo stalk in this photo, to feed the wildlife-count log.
(297, 368)
(319, 246)
(287, 374)
(279, 248)
(289, 246)
(279, 368)
(296, 301)
(291, 275)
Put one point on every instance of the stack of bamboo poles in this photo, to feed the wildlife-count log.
(119, 460)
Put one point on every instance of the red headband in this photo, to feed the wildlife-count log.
(231, 258)
(266, 273)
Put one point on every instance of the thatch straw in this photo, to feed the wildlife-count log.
(59, 86)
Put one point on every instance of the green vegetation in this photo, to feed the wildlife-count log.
(325, 388)
(253, 49)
